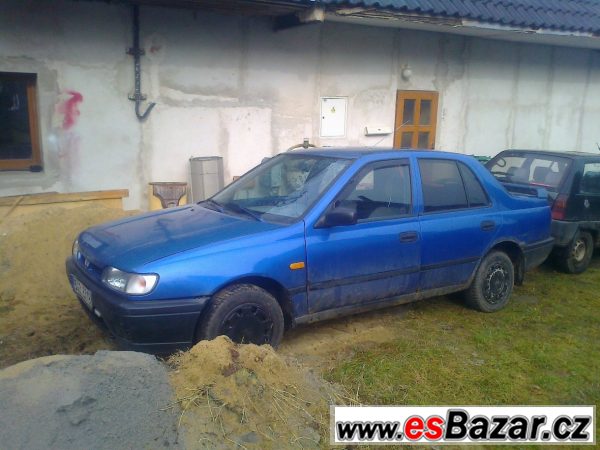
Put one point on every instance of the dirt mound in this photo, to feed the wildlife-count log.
(248, 396)
(39, 315)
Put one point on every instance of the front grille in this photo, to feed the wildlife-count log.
(87, 266)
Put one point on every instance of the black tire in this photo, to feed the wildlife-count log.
(493, 283)
(246, 314)
(576, 257)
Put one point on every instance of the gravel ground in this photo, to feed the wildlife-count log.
(104, 401)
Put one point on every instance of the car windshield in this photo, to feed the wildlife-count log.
(281, 189)
(529, 168)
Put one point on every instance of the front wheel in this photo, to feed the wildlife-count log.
(246, 314)
(493, 283)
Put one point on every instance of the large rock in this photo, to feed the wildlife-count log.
(106, 401)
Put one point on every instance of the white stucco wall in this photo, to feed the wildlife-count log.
(230, 86)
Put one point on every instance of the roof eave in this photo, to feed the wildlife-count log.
(465, 27)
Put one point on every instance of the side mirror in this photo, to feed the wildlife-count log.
(342, 215)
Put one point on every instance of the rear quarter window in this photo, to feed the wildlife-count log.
(476, 195)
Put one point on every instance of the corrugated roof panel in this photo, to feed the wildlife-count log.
(454, 7)
(569, 15)
(473, 9)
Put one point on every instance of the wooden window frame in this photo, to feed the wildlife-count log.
(415, 128)
(34, 163)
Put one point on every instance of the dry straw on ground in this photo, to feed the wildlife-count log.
(248, 396)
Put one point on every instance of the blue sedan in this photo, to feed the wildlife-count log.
(310, 235)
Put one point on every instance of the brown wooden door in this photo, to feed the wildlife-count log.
(416, 118)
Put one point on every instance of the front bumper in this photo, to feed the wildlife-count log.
(537, 253)
(153, 326)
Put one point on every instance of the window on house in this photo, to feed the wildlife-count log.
(19, 134)
(416, 118)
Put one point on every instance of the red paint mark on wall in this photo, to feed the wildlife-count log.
(70, 109)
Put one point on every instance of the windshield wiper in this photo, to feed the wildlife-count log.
(240, 209)
(290, 199)
(211, 204)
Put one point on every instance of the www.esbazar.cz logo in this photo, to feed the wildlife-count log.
(463, 424)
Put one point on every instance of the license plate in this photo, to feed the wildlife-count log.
(82, 292)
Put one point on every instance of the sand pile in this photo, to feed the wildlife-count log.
(248, 396)
(39, 314)
(110, 400)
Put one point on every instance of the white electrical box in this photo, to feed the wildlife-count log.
(333, 116)
(377, 131)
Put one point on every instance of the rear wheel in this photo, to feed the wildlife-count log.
(578, 254)
(246, 314)
(493, 283)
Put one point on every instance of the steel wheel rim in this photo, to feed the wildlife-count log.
(248, 324)
(579, 250)
(496, 284)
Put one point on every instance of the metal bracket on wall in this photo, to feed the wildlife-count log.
(137, 52)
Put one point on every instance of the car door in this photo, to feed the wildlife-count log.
(587, 197)
(458, 222)
(378, 256)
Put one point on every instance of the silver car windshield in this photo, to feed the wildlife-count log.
(281, 189)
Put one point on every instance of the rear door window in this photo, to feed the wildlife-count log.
(443, 188)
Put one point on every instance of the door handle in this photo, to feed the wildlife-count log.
(409, 236)
(488, 225)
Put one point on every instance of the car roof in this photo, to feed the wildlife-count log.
(358, 152)
(567, 154)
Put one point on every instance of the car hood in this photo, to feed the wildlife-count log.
(133, 242)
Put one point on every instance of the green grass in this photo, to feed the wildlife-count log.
(542, 349)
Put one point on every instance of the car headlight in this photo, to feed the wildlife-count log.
(130, 283)
(75, 249)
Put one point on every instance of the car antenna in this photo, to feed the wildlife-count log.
(395, 129)
(598, 145)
